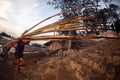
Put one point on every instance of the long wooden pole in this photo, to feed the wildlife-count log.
(61, 22)
(67, 37)
(52, 17)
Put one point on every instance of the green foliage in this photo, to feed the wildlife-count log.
(117, 26)
(68, 4)
(108, 14)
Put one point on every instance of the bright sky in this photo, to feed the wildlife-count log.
(18, 15)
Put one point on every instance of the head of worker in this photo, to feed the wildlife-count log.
(25, 41)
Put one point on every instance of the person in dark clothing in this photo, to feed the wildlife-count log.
(19, 53)
(19, 49)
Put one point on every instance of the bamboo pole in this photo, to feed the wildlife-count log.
(61, 22)
(67, 37)
(52, 17)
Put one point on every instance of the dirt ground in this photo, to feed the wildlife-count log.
(93, 60)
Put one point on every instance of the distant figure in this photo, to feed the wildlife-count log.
(19, 53)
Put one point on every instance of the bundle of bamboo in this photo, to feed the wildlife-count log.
(74, 23)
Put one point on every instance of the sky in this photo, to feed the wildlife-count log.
(18, 15)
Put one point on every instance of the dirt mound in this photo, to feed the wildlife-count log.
(108, 33)
(94, 60)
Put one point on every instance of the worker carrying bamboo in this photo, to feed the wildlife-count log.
(19, 49)
(19, 53)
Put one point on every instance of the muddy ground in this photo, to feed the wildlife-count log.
(93, 60)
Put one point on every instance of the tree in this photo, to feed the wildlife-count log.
(68, 4)
(105, 15)
(110, 15)
(117, 26)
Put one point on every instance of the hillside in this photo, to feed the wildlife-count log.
(95, 60)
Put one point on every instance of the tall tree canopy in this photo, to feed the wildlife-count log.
(108, 14)
(68, 4)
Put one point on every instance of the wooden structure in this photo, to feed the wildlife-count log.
(70, 23)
